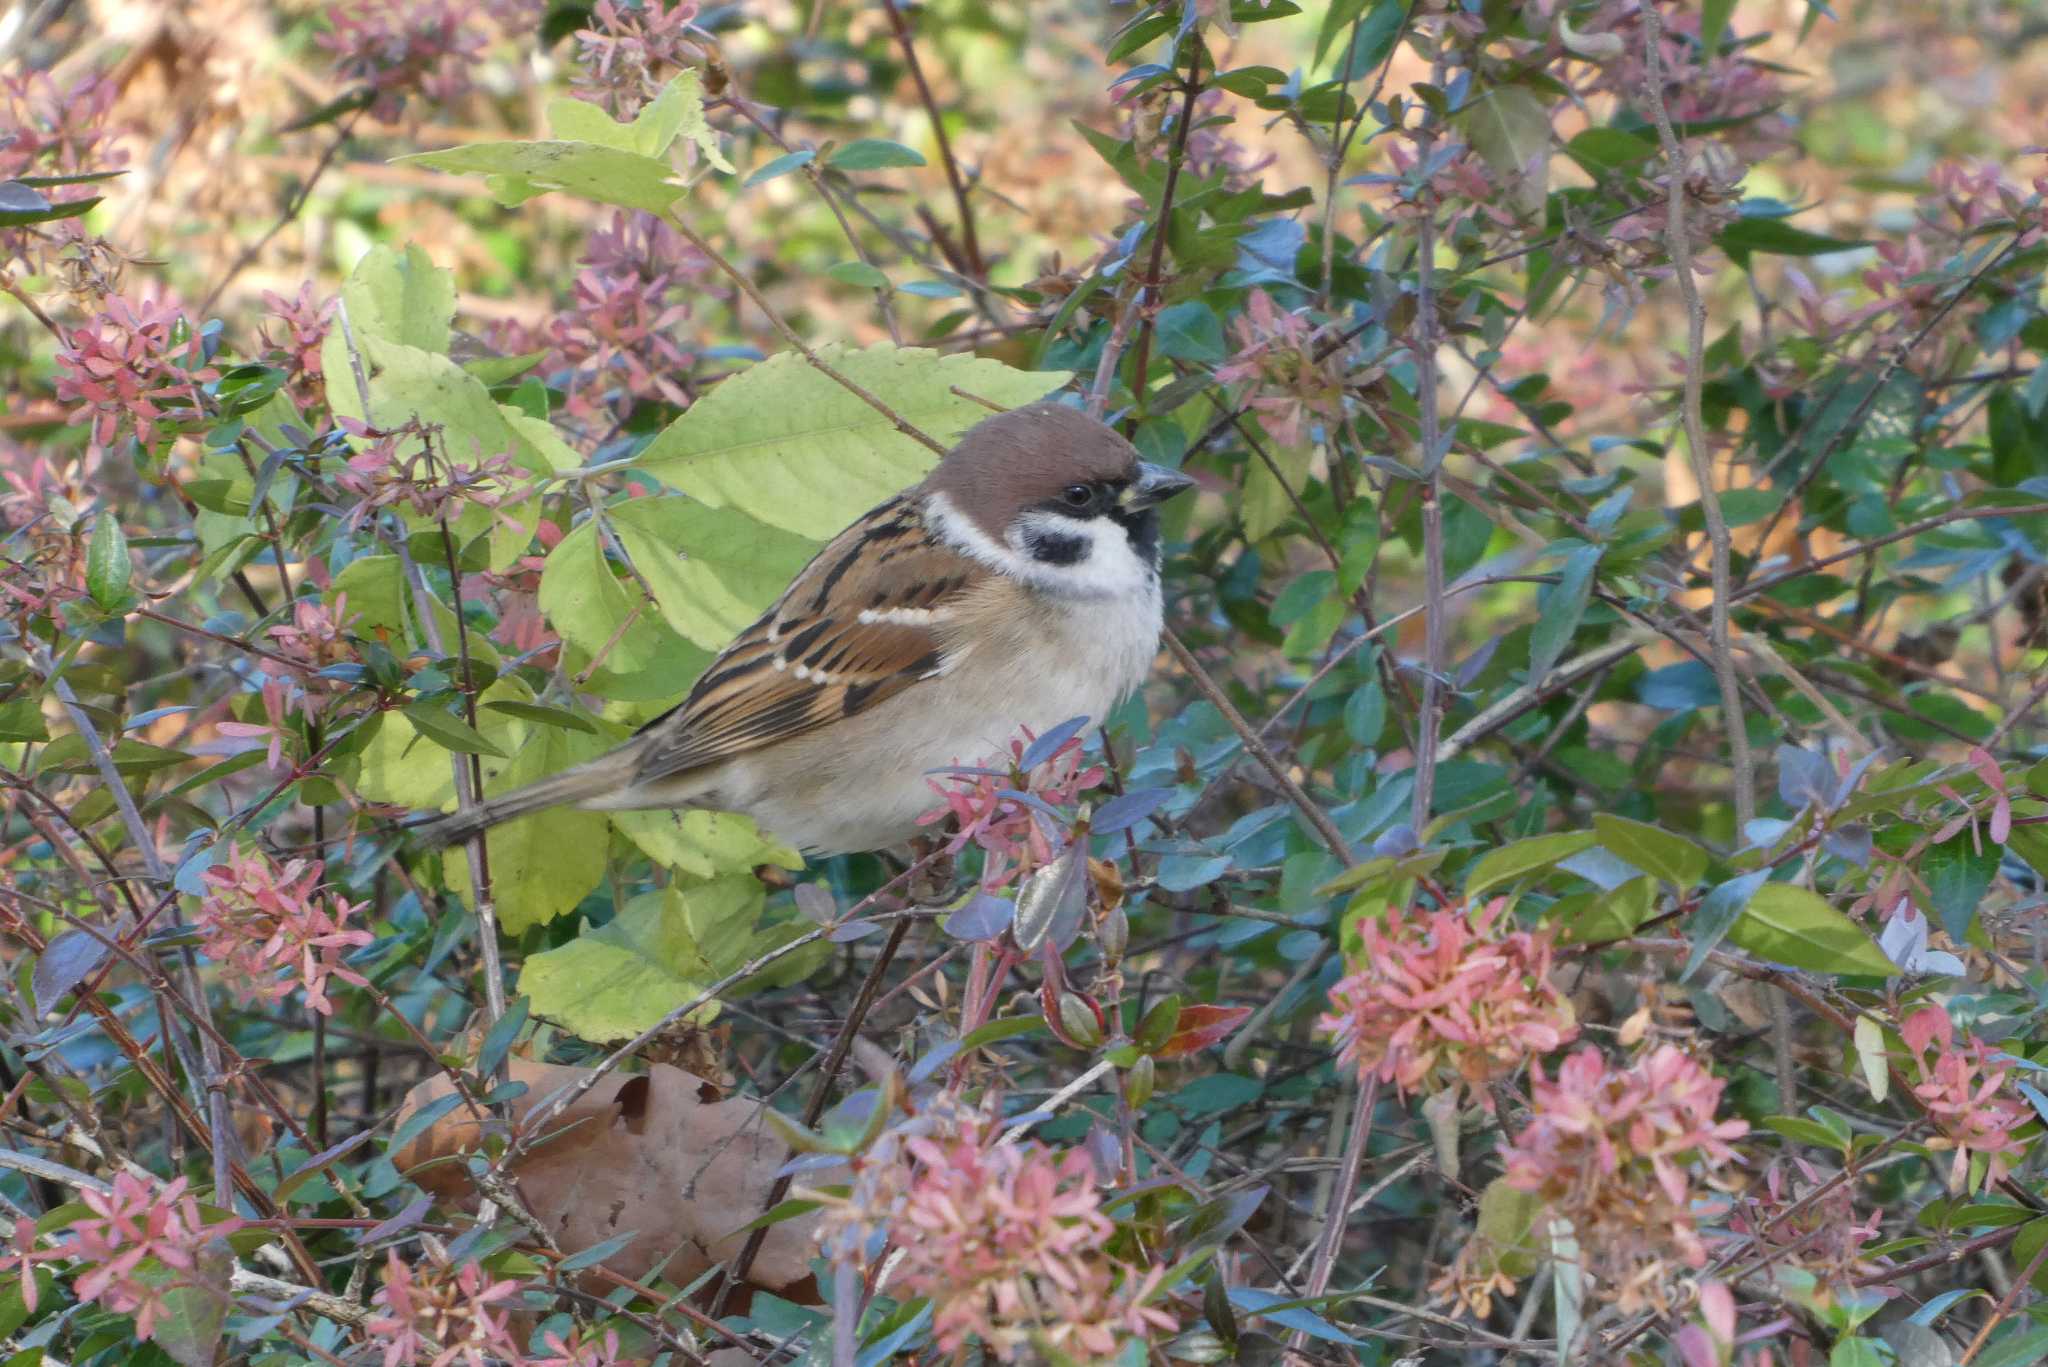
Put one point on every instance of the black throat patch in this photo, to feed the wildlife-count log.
(1049, 547)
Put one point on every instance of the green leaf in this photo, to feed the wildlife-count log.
(1525, 857)
(1563, 607)
(107, 567)
(1608, 915)
(1790, 925)
(22, 203)
(521, 170)
(873, 154)
(858, 273)
(1717, 915)
(2019, 1347)
(677, 110)
(1775, 237)
(1958, 875)
(704, 844)
(541, 865)
(1598, 150)
(22, 719)
(712, 571)
(613, 982)
(600, 611)
(1507, 1221)
(546, 716)
(403, 298)
(780, 166)
(1509, 127)
(448, 731)
(792, 448)
(1672, 858)
(193, 1303)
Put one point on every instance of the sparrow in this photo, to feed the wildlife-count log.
(1016, 586)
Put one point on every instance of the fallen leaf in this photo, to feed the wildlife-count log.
(644, 1153)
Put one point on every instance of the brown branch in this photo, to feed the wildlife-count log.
(970, 244)
(1332, 838)
(1680, 247)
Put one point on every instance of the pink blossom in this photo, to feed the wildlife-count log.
(585, 1349)
(1008, 1241)
(302, 322)
(1276, 354)
(261, 921)
(1614, 1151)
(1454, 997)
(458, 1308)
(408, 467)
(1962, 1088)
(1002, 813)
(626, 53)
(132, 364)
(398, 48)
(137, 1221)
(317, 635)
(1799, 1224)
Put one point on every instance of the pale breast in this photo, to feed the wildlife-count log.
(1019, 660)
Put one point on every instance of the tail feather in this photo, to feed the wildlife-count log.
(601, 776)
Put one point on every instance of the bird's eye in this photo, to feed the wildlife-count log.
(1078, 496)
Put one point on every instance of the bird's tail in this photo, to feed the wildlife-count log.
(604, 776)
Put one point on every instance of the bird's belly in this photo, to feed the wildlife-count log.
(863, 783)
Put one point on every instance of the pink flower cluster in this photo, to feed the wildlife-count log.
(302, 321)
(398, 48)
(1002, 813)
(1963, 1088)
(273, 929)
(1009, 1242)
(1455, 997)
(620, 339)
(55, 130)
(626, 53)
(136, 1222)
(458, 1308)
(408, 467)
(1276, 353)
(130, 365)
(1614, 1150)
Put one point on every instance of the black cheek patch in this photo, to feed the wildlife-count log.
(1055, 548)
(1142, 530)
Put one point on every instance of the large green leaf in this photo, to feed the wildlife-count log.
(518, 171)
(599, 610)
(613, 982)
(541, 865)
(1959, 872)
(1790, 925)
(396, 297)
(794, 449)
(661, 951)
(677, 111)
(704, 844)
(712, 570)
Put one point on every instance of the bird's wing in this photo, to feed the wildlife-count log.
(865, 620)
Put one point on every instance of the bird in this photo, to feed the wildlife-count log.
(1016, 586)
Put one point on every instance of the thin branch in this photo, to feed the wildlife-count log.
(1332, 838)
(1680, 247)
(1429, 725)
(760, 301)
(969, 243)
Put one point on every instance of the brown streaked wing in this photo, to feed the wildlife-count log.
(811, 659)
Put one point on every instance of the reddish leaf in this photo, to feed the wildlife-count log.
(1201, 1026)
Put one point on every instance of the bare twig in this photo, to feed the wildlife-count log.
(1680, 247)
(969, 243)
(1429, 725)
(803, 348)
(1332, 838)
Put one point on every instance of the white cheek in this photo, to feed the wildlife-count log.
(1110, 569)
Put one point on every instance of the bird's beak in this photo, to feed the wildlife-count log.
(1154, 485)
